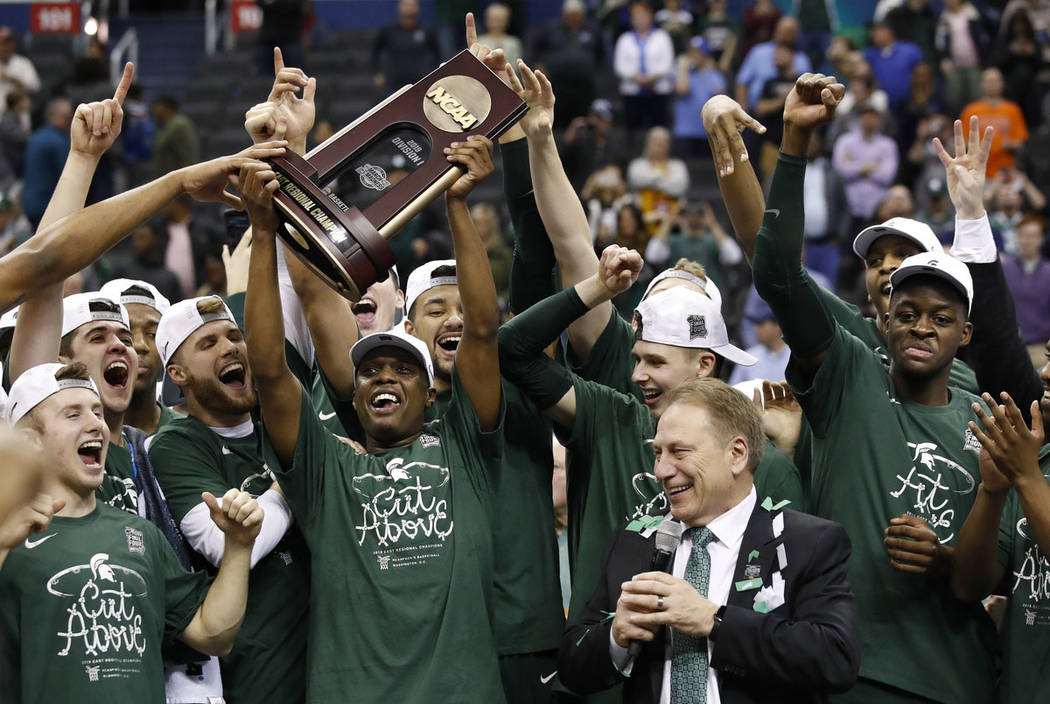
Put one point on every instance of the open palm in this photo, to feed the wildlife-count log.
(965, 172)
(536, 91)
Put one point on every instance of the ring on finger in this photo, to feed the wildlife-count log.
(660, 603)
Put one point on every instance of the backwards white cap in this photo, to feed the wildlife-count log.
(36, 384)
(181, 320)
(940, 265)
(422, 279)
(394, 338)
(683, 317)
(918, 232)
(82, 308)
(117, 289)
(707, 286)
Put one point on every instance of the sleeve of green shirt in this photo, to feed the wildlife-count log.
(609, 362)
(462, 420)
(777, 477)
(532, 266)
(296, 363)
(303, 483)
(185, 466)
(184, 591)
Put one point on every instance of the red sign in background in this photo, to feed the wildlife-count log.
(247, 17)
(54, 18)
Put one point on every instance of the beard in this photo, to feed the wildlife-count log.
(213, 395)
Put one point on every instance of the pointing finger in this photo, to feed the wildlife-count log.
(125, 83)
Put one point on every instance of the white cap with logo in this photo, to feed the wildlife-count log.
(181, 320)
(422, 279)
(35, 385)
(82, 308)
(394, 338)
(117, 289)
(940, 265)
(707, 286)
(918, 232)
(683, 317)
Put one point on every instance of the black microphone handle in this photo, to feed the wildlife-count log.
(659, 563)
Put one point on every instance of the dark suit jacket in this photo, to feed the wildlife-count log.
(799, 652)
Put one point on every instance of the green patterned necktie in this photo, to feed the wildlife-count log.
(689, 653)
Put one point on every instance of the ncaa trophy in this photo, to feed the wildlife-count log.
(345, 242)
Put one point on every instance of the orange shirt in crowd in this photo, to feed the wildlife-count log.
(1008, 122)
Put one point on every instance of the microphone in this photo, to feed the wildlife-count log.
(668, 536)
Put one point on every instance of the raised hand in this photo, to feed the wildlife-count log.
(237, 264)
(97, 125)
(239, 516)
(496, 60)
(618, 268)
(257, 183)
(207, 180)
(965, 172)
(1012, 445)
(724, 120)
(813, 100)
(475, 155)
(781, 414)
(536, 91)
(266, 121)
(298, 112)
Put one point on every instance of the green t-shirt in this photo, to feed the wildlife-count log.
(610, 362)
(528, 614)
(326, 413)
(875, 457)
(166, 416)
(85, 606)
(401, 607)
(1026, 624)
(118, 484)
(268, 661)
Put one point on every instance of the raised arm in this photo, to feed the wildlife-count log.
(47, 257)
(477, 357)
(94, 128)
(724, 120)
(280, 393)
(777, 266)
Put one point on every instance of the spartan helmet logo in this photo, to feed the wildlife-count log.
(697, 326)
(100, 569)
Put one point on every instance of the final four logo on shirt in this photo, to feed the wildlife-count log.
(135, 542)
(697, 326)
(971, 442)
(428, 440)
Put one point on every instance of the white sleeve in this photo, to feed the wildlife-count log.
(974, 243)
(295, 328)
(206, 538)
(657, 252)
(729, 252)
(625, 63)
(620, 657)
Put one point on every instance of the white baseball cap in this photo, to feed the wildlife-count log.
(918, 232)
(707, 287)
(36, 384)
(82, 308)
(181, 320)
(683, 317)
(117, 289)
(943, 266)
(394, 338)
(422, 279)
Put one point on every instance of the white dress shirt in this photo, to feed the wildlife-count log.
(728, 530)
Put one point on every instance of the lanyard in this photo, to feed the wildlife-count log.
(131, 451)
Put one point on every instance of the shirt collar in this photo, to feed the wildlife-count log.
(730, 526)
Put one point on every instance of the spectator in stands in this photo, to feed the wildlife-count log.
(892, 61)
(915, 21)
(861, 89)
(770, 105)
(771, 351)
(14, 134)
(282, 26)
(1038, 12)
(923, 99)
(137, 135)
(898, 203)
(826, 220)
(187, 243)
(677, 21)
(147, 263)
(1020, 56)
(486, 221)
(921, 163)
(721, 33)
(1013, 179)
(698, 79)
(603, 195)
(644, 63)
(866, 160)
(404, 50)
(963, 42)
(590, 143)
(571, 52)
(841, 57)
(45, 157)
(16, 71)
(1028, 276)
(1005, 217)
(697, 236)
(759, 65)
(938, 213)
(659, 180)
(759, 23)
(817, 19)
(1004, 115)
(497, 19)
(175, 142)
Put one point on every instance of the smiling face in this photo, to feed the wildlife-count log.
(703, 474)
(884, 257)
(211, 366)
(660, 368)
(106, 348)
(144, 322)
(925, 326)
(436, 318)
(376, 310)
(73, 436)
(391, 395)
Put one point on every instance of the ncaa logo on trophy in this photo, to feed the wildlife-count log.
(388, 164)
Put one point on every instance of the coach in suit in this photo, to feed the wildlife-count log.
(757, 608)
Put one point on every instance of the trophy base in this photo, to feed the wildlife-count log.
(334, 240)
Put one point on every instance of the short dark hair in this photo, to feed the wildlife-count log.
(440, 272)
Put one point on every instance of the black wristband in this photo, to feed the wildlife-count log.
(713, 635)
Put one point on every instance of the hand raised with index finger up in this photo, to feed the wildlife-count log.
(97, 125)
